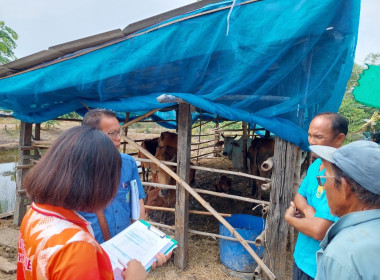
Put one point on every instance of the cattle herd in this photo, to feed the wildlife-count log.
(164, 148)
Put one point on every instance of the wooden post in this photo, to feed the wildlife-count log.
(23, 159)
(217, 136)
(200, 132)
(281, 194)
(244, 127)
(125, 130)
(183, 171)
(37, 131)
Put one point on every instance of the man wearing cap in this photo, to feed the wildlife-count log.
(351, 247)
(310, 214)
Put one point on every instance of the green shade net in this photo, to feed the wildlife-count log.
(368, 90)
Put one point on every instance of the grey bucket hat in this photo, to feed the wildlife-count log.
(360, 160)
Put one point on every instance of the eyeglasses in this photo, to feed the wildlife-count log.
(322, 179)
(114, 134)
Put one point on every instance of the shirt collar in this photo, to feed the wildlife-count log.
(59, 212)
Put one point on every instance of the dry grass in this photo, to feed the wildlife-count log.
(203, 263)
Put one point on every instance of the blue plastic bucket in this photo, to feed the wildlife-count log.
(232, 254)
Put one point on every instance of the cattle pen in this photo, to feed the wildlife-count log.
(208, 61)
(34, 144)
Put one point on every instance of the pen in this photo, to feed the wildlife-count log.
(123, 264)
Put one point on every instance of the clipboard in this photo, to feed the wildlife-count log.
(140, 241)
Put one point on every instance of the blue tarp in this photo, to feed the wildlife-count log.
(281, 63)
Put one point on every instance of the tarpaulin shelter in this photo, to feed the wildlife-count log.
(368, 90)
(272, 63)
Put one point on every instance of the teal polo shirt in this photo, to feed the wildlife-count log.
(307, 247)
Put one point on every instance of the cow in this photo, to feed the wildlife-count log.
(233, 149)
(260, 152)
(150, 145)
(168, 138)
(165, 152)
(223, 184)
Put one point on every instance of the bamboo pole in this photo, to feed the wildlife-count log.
(225, 195)
(196, 212)
(206, 205)
(267, 180)
(139, 118)
(200, 232)
(201, 125)
(208, 141)
(202, 155)
(228, 124)
(201, 148)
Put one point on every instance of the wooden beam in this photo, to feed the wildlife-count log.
(281, 194)
(183, 171)
(23, 160)
(196, 212)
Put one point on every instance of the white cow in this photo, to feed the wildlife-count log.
(234, 150)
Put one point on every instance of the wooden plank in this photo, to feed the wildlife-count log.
(183, 171)
(6, 214)
(9, 237)
(281, 194)
(23, 160)
(7, 266)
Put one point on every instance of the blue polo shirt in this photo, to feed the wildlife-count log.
(118, 211)
(307, 247)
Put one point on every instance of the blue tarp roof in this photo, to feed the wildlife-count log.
(281, 63)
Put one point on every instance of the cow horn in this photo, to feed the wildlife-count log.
(235, 136)
(222, 135)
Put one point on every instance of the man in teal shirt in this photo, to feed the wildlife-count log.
(309, 214)
(351, 247)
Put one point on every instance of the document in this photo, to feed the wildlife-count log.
(135, 202)
(140, 241)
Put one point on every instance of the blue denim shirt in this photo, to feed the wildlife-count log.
(306, 246)
(118, 212)
(351, 248)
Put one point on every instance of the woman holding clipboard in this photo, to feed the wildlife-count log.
(80, 172)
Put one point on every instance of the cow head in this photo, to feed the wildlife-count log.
(228, 145)
(155, 199)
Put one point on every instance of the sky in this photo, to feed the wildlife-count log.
(41, 24)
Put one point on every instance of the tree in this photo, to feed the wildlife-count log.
(7, 43)
(353, 111)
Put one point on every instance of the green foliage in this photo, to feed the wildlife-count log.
(71, 115)
(50, 124)
(7, 43)
(354, 112)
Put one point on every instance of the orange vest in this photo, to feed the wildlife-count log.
(56, 243)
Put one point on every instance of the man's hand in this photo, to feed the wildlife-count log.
(291, 212)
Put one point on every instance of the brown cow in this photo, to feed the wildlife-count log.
(165, 197)
(150, 145)
(261, 149)
(223, 184)
(168, 138)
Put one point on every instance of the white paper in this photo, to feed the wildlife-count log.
(135, 202)
(138, 241)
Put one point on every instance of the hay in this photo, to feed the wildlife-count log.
(203, 252)
(203, 263)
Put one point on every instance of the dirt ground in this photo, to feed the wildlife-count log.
(203, 251)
